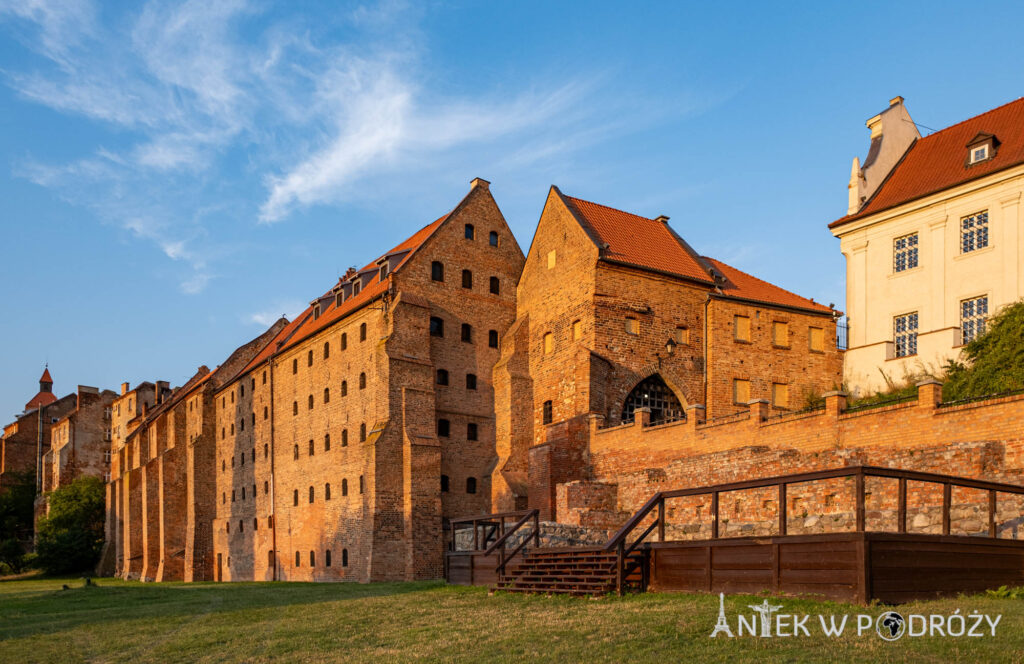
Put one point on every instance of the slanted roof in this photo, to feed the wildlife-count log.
(739, 284)
(312, 324)
(45, 378)
(39, 400)
(638, 241)
(939, 161)
(651, 244)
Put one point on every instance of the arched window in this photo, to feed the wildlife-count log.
(266, 450)
(470, 485)
(327, 442)
(327, 491)
(344, 437)
(327, 395)
(295, 408)
(327, 349)
(469, 232)
(653, 393)
(344, 388)
(311, 449)
(295, 365)
(311, 494)
(266, 487)
(362, 381)
(344, 340)
(270, 558)
(494, 238)
(437, 271)
(309, 358)
(295, 498)
(327, 558)
(362, 331)
(362, 432)
(296, 451)
(344, 487)
(311, 402)
(344, 557)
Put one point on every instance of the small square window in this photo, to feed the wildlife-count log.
(470, 381)
(436, 327)
(682, 336)
(780, 395)
(442, 376)
(979, 153)
(632, 326)
(817, 339)
(443, 428)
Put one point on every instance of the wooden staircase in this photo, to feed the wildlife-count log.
(576, 571)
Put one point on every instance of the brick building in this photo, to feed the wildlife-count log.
(369, 419)
(27, 438)
(615, 313)
(80, 441)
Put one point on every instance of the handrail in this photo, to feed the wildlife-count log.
(508, 533)
(487, 517)
(781, 482)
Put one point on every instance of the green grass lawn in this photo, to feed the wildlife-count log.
(402, 622)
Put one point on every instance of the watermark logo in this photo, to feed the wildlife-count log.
(890, 625)
(767, 620)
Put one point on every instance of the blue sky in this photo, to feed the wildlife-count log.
(176, 175)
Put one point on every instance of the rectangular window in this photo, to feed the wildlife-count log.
(904, 253)
(632, 326)
(549, 343)
(780, 334)
(780, 395)
(740, 391)
(973, 313)
(974, 232)
(436, 327)
(551, 260)
(905, 334)
(682, 336)
(546, 412)
(577, 330)
(741, 328)
(817, 339)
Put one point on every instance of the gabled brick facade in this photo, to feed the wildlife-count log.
(600, 310)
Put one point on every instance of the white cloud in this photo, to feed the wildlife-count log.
(289, 309)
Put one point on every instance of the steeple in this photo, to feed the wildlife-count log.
(45, 381)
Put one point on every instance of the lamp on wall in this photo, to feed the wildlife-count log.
(670, 346)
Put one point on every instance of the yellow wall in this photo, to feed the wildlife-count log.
(875, 294)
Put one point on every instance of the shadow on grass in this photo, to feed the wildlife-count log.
(40, 605)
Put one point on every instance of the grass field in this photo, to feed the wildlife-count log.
(426, 622)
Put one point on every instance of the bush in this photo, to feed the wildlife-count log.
(70, 538)
(993, 362)
(16, 522)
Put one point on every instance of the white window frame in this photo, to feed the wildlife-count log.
(909, 347)
(969, 236)
(985, 148)
(911, 252)
(977, 322)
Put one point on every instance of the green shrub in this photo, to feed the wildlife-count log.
(70, 538)
(16, 522)
(993, 362)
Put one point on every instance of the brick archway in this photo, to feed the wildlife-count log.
(654, 392)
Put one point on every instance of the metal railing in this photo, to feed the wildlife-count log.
(842, 335)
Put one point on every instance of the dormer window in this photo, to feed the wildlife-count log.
(339, 298)
(383, 271)
(981, 148)
(316, 311)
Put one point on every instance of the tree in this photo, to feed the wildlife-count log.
(993, 361)
(70, 538)
(16, 521)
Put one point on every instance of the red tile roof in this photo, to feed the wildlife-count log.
(45, 378)
(635, 240)
(652, 244)
(39, 400)
(310, 325)
(742, 285)
(939, 161)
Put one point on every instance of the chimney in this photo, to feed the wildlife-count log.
(349, 273)
(124, 389)
(662, 218)
(162, 388)
(892, 132)
(479, 182)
